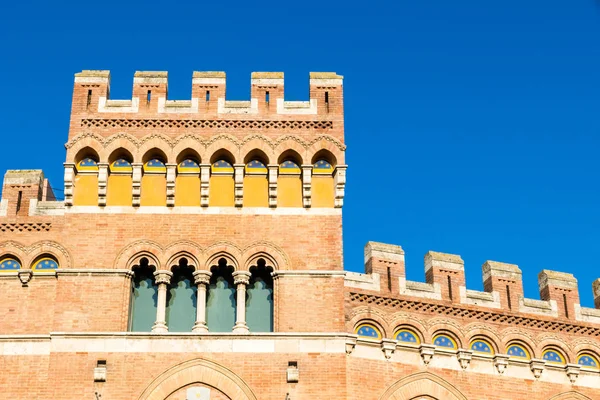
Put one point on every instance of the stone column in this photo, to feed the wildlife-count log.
(340, 184)
(69, 177)
(162, 280)
(171, 172)
(241, 279)
(204, 184)
(273, 170)
(136, 183)
(238, 184)
(102, 183)
(306, 185)
(202, 279)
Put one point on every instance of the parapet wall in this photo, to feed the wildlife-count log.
(150, 107)
(445, 281)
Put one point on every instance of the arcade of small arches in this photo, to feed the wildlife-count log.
(187, 299)
(218, 181)
(481, 345)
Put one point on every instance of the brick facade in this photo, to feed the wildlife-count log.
(65, 331)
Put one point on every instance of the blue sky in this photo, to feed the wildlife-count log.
(472, 127)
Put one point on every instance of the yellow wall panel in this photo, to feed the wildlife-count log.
(118, 192)
(221, 191)
(256, 191)
(289, 191)
(323, 194)
(187, 190)
(86, 190)
(154, 190)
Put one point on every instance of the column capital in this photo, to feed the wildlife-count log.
(241, 277)
(202, 277)
(162, 276)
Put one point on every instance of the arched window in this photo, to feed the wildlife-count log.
(221, 185)
(85, 191)
(407, 336)
(119, 190)
(588, 361)
(481, 346)
(154, 182)
(289, 184)
(323, 193)
(369, 331)
(256, 184)
(221, 300)
(181, 299)
(144, 292)
(259, 300)
(45, 263)
(518, 351)
(187, 183)
(553, 357)
(9, 264)
(445, 341)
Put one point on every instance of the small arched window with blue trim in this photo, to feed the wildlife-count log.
(9, 264)
(553, 357)
(445, 341)
(407, 336)
(481, 346)
(45, 263)
(368, 331)
(518, 351)
(587, 360)
(87, 164)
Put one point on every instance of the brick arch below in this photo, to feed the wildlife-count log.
(570, 396)
(423, 385)
(198, 371)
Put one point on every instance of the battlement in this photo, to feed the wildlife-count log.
(21, 188)
(91, 97)
(445, 281)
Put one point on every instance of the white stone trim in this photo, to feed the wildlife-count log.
(119, 106)
(37, 207)
(94, 272)
(477, 298)
(363, 281)
(267, 81)
(209, 81)
(202, 210)
(585, 314)
(177, 106)
(326, 82)
(3, 207)
(237, 107)
(420, 289)
(310, 273)
(539, 307)
(297, 107)
(91, 79)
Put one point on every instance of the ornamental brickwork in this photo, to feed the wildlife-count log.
(197, 254)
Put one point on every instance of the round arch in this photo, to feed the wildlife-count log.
(422, 385)
(570, 396)
(198, 371)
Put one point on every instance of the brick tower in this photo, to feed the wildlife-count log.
(197, 254)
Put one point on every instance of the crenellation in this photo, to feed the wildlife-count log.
(506, 280)
(596, 291)
(448, 271)
(387, 261)
(562, 288)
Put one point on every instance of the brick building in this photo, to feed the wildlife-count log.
(197, 254)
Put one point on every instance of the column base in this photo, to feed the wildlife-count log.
(200, 328)
(160, 327)
(240, 328)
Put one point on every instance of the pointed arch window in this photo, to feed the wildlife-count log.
(181, 299)
(221, 300)
(144, 296)
(259, 298)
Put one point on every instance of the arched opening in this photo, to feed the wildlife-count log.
(221, 184)
(154, 179)
(181, 299)
(221, 300)
(256, 181)
(9, 263)
(187, 182)
(259, 298)
(289, 180)
(85, 191)
(44, 262)
(119, 185)
(323, 186)
(421, 386)
(144, 296)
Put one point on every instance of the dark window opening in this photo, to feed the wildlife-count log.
(267, 96)
(450, 287)
(207, 95)
(19, 198)
(89, 98)
(508, 297)
(565, 305)
(389, 276)
(148, 96)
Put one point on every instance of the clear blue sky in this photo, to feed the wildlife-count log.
(472, 126)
